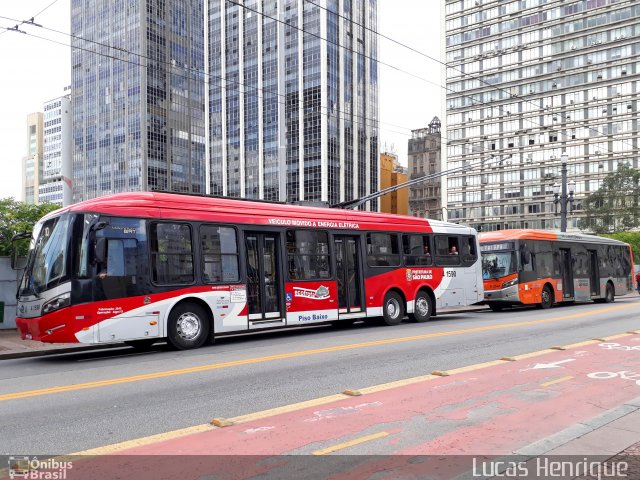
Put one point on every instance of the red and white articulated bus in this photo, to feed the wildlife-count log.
(139, 267)
(540, 267)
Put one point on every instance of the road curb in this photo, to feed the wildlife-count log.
(55, 351)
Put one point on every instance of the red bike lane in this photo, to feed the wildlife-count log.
(406, 430)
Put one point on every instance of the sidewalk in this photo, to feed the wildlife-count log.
(11, 346)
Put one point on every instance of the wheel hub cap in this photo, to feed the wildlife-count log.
(422, 306)
(188, 326)
(393, 308)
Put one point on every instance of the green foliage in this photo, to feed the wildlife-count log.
(18, 217)
(615, 206)
(632, 238)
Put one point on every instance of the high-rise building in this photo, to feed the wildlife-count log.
(138, 96)
(55, 181)
(32, 162)
(293, 99)
(392, 174)
(536, 79)
(424, 159)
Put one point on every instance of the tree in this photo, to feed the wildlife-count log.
(18, 217)
(615, 206)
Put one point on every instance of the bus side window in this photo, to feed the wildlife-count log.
(171, 254)
(383, 250)
(468, 250)
(527, 257)
(220, 259)
(447, 250)
(417, 250)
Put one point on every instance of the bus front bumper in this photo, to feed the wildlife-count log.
(54, 327)
(509, 294)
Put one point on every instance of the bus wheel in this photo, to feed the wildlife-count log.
(610, 294)
(546, 299)
(142, 345)
(393, 309)
(188, 326)
(422, 308)
(496, 307)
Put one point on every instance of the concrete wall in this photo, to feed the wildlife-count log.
(8, 285)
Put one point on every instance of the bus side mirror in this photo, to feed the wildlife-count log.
(525, 257)
(15, 259)
(100, 251)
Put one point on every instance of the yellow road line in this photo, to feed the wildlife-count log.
(304, 353)
(350, 443)
(557, 380)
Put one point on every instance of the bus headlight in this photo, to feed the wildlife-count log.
(510, 283)
(57, 303)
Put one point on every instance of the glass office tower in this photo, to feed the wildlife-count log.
(293, 99)
(138, 96)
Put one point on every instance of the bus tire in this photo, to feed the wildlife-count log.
(546, 297)
(422, 308)
(141, 345)
(392, 309)
(610, 293)
(188, 326)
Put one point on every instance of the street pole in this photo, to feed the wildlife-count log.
(563, 203)
(560, 195)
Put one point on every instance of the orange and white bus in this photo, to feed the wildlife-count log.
(538, 267)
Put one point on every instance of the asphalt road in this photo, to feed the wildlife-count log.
(249, 373)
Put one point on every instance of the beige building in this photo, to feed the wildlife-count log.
(534, 81)
(32, 163)
(425, 159)
(392, 173)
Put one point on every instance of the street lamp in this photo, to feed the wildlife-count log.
(560, 195)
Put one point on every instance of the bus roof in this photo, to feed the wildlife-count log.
(237, 211)
(527, 234)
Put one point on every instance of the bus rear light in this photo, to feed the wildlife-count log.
(510, 283)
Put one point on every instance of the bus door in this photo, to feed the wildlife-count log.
(349, 276)
(567, 273)
(263, 278)
(594, 275)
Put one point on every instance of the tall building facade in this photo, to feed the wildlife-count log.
(55, 181)
(138, 96)
(425, 159)
(392, 174)
(32, 162)
(534, 79)
(293, 99)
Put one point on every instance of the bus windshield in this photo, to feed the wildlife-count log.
(47, 261)
(498, 264)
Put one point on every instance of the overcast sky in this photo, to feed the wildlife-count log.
(36, 70)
